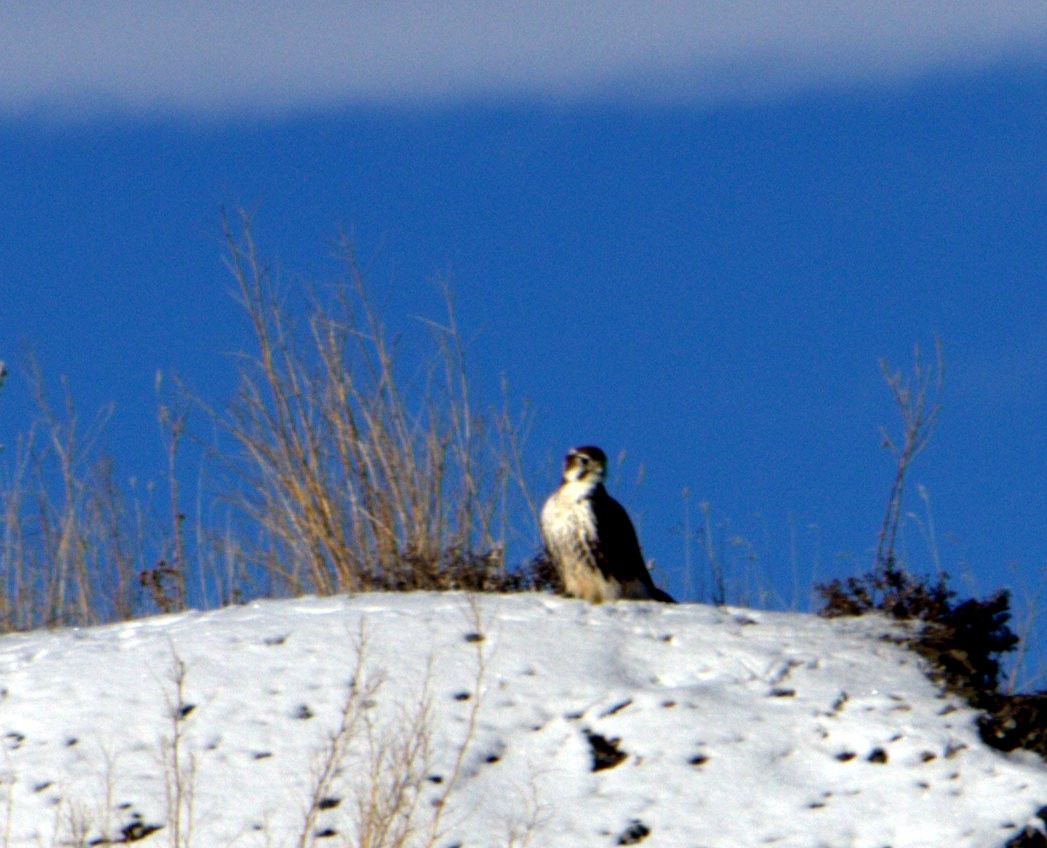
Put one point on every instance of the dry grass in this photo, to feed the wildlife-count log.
(379, 768)
(340, 465)
(63, 558)
(77, 545)
(352, 476)
(384, 768)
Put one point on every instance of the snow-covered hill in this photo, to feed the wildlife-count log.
(493, 721)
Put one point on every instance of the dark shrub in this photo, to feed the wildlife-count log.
(963, 642)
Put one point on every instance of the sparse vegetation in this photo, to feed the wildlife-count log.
(178, 763)
(336, 468)
(70, 548)
(78, 547)
(354, 477)
(380, 806)
(341, 467)
(371, 778)
(963, 641)
(376, 778)
(918, 399)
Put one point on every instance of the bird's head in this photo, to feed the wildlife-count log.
(585, 465)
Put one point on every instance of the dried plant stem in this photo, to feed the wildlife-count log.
(918, 399)
(179, 763)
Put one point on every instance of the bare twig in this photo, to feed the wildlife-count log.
(918, 399)
(178, 762)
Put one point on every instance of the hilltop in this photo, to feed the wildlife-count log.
(491, 720)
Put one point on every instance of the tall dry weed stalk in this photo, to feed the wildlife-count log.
(353, 476)
(918, 399)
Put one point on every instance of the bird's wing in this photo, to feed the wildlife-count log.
(617, 548)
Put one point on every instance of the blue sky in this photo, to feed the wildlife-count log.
(688, 235)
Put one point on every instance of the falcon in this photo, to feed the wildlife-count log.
(589, 537)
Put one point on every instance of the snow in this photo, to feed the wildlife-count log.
(713, 727)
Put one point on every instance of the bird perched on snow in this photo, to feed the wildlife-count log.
(589, 537)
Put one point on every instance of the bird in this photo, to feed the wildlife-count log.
(589, 537)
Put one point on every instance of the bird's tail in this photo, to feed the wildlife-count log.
(658, 595)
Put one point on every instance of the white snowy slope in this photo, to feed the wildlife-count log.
(711, 727)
